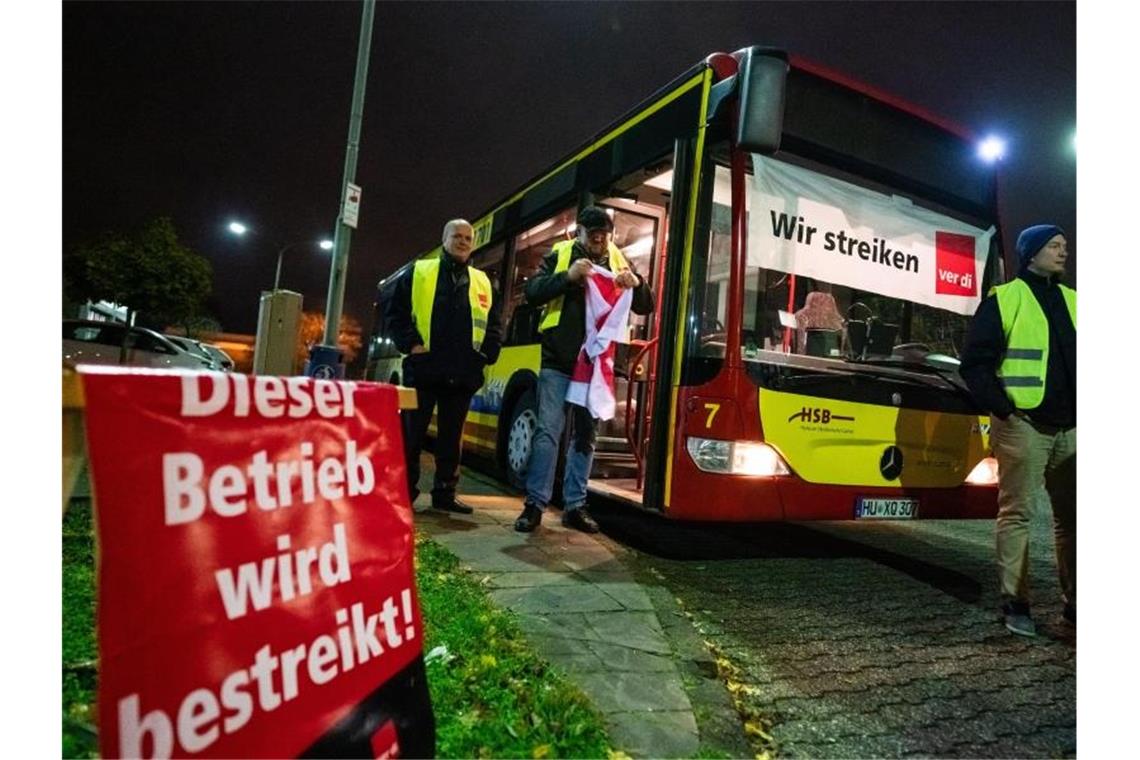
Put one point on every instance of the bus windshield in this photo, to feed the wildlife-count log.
(845, 307)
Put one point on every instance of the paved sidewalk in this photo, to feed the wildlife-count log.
(581, 609)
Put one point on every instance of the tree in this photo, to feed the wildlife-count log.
(349, 337)
(200, 324)
(150, 272)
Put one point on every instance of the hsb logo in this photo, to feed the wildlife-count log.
(822, 416)
(812, 415)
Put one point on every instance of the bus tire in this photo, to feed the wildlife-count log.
(523, 422)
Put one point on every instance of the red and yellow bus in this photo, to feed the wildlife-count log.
(816, 249)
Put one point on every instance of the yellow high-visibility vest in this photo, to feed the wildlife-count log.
(552, 311)
(1026, 329)
(425, 275)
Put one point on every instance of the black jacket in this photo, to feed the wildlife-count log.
(451, 362)
(561, 344)
(985, 349)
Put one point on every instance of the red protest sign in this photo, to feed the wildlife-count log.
(255, 579)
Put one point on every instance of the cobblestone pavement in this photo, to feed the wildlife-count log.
(871, 639)
(625, 645)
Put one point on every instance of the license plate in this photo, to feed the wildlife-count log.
(885, 509)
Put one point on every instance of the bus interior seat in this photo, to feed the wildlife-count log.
(870, 338)
(821, 342)
(856, 338)
(818, 313)
(881, 340)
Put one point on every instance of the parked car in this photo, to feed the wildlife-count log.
(195, 349)
(219, 360)
(88, 342)
(220, 357)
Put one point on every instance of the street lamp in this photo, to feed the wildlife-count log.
(991, 149)
(239, 229)
(325, 245)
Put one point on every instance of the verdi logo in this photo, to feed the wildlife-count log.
(955, 267)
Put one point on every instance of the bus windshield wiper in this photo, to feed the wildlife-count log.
(947, 375)
(809, 378)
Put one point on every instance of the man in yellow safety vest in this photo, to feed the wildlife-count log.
(1020, 363)
(444, 316)
(560, 288)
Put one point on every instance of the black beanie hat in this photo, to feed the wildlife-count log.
(1033, 239)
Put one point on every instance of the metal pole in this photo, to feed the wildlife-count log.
(343, 236)
(277, 277)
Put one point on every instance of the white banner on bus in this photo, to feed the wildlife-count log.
(816, 226)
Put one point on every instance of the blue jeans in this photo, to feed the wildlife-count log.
(552, 407)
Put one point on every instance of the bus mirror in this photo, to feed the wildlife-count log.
(763, 75)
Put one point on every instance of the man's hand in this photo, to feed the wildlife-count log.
(419, 349)
(627, 279)
(579, 270)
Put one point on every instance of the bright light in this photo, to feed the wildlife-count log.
(1074, 141)
(984, 474)
(237, 228)
(736, 457)
(326, 245)
(751, 458)
(991, 149)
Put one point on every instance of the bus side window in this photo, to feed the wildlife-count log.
(520, 319)
(490, 260)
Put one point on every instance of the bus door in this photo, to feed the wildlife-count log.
(639, 231)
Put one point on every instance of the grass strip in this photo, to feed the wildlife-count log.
(79, 652)
(492, 696)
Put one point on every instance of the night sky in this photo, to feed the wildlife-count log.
(208, 112)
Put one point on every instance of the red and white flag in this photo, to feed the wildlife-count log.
(607, 312)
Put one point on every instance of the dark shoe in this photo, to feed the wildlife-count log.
(529, 519)
(1017, 619)
(451, 505)
(1069, 614)
(579, 520)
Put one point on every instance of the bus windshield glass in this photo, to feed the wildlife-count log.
(843, 274)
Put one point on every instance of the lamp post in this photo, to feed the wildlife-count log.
(279, 314)
(320, 361)
(325, 245)
(239, 229)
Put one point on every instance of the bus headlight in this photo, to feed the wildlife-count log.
(736, 457)
(984, 474)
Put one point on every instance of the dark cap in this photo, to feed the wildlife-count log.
(593, 218)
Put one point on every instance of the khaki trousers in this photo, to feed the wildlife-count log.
(1029, 459)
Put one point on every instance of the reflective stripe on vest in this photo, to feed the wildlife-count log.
(1026, 330)
(425, 275)
(552, 311)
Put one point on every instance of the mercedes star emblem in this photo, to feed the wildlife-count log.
(891, 463)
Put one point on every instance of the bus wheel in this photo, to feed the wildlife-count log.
(520, 436)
